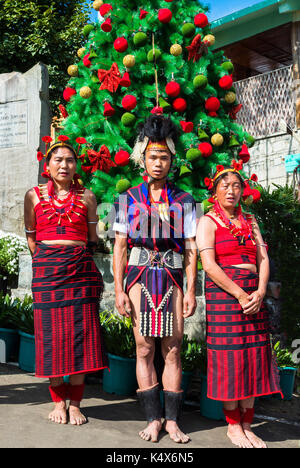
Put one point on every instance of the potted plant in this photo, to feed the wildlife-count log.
(190, 360)
(287, 370)
(119, 341)
(8, 327)
(10, 247)
(211, 409)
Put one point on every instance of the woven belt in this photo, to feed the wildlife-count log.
(140, 256)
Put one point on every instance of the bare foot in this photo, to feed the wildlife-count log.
(59, 414)
(175, 433)
(237, 436)
(255, 441)
(151, 432)
(75, 415)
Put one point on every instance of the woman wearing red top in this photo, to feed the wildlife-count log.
(235, 259)
(60, 219)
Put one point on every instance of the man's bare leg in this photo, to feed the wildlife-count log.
(145, 370)
(172, 376)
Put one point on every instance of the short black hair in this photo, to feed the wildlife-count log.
(225, 174)
(158, 128)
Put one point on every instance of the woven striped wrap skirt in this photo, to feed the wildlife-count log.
(67, 288)
(240, 362)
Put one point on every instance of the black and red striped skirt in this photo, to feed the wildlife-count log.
(240, 362)
(67, 288)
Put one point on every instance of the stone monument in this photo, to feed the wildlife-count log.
(25, 118)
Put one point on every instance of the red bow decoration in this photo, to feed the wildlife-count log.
(235, 110)
(110, 79)
(102, 160)
(197, 48)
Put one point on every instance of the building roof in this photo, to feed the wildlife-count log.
(258, 18)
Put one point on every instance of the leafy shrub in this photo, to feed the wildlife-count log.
(118, 335)
(17, 314)
(278, 215)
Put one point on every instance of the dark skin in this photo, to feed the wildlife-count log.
(62, 167)
(158, 165)
(229, 192)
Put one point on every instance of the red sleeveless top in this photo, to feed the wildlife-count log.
(229, 251)
(68, 222)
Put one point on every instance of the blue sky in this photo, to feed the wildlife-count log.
(218, 8)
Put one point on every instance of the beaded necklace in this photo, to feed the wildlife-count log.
(243, 233)
(161, 206)
(49, 208)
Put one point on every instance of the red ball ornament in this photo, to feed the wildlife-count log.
(106, 26)
(121, 44)
(256, 195)
(201, 20)
(165, 15)
(179, 105)
(187, 127)
(122, 158)
(129, 102)
(68, 93)
(206, 149)
(212, 105)
(108, 110)
(226, 82)
(105, 8)
(173, 89)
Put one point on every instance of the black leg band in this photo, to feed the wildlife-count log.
(150, 402)
(173, 404)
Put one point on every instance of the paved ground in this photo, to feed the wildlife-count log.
(113, 422)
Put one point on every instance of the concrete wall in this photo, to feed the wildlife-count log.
(24, 120)
(267, 159)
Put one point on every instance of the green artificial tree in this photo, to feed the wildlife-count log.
(151, 56)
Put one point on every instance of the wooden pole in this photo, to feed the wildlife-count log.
(295, 39)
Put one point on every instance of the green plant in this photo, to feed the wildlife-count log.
(278, 215)
(191, 351)
(48, 32)
(10, 246)
(118, 335)
(284, 356)
(17, 314)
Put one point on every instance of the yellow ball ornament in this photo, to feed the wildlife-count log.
(129, 61)
(73, 70)
(217, 139)
(81, 52)
(97, 4)
(85, 92)
(230, 97)
(210, 39)
(176, 50)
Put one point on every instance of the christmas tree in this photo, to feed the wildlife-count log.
(151, 56)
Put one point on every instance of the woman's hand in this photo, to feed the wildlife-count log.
(254, 303)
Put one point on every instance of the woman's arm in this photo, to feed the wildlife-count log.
(92, 217)
(263, 266)
(190, 265)
(206, 244)
(30, 219)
